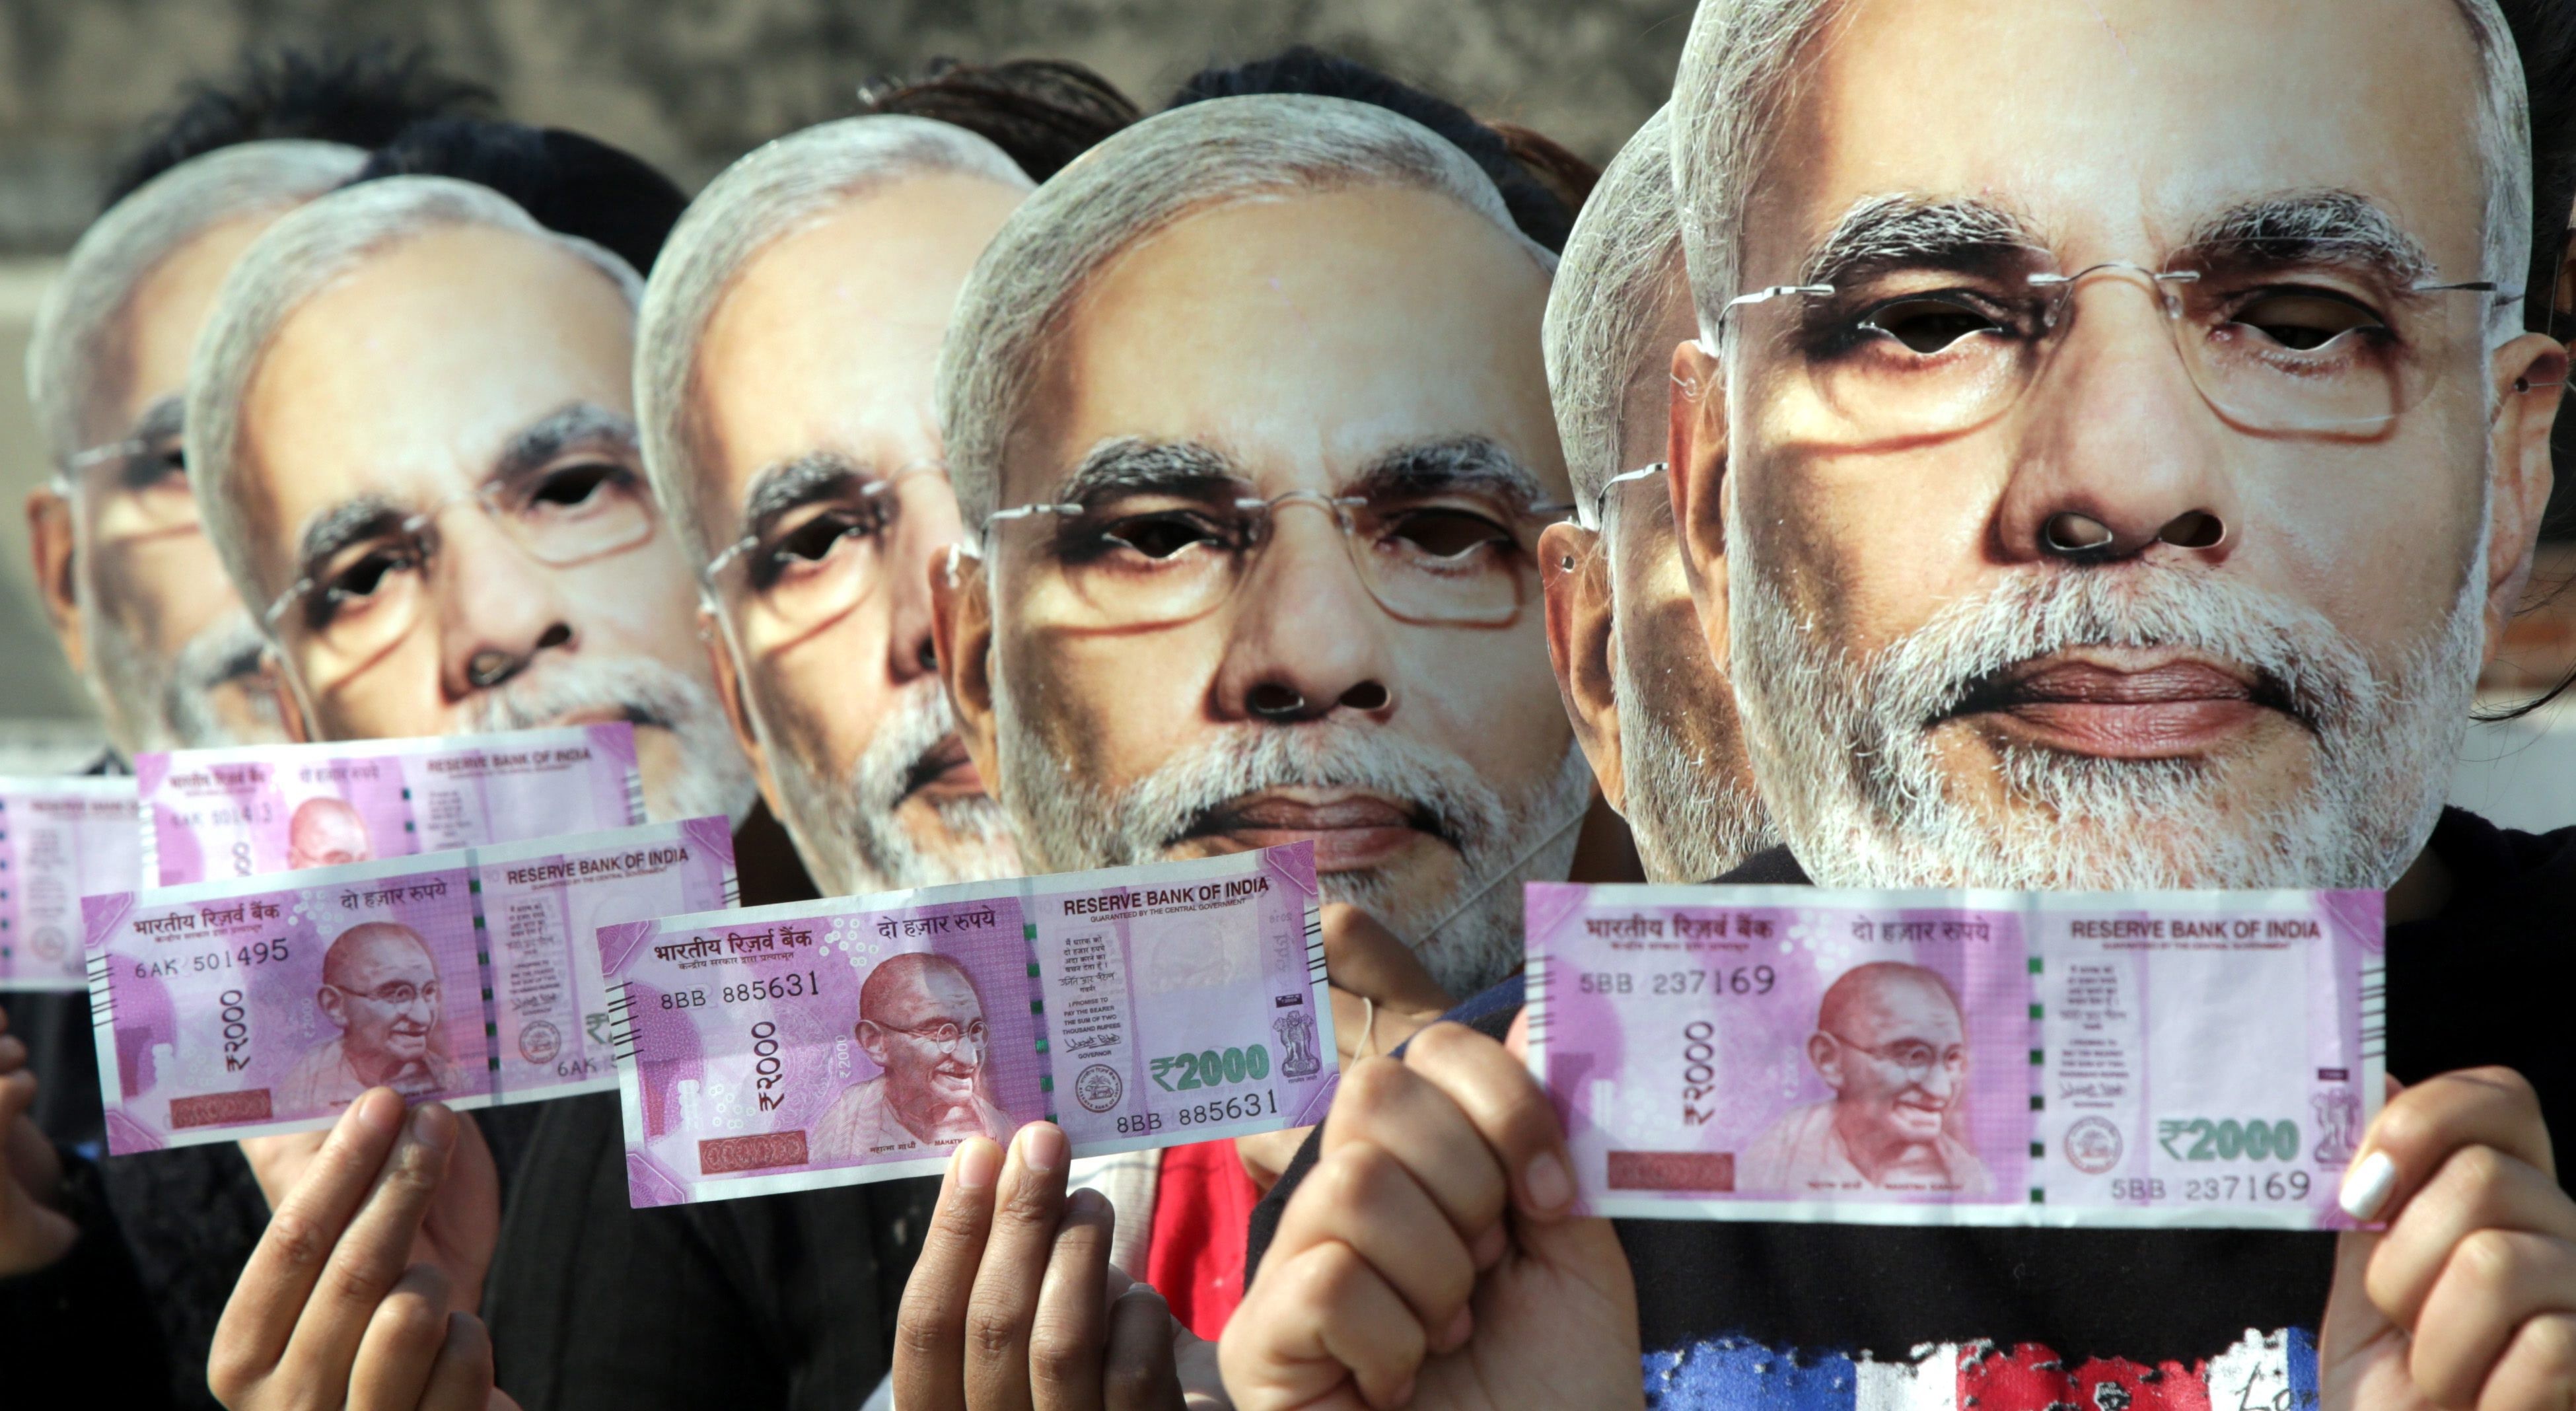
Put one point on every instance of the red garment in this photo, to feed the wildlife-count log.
(1202, 1218)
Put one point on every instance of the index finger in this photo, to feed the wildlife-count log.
(372, 1252)
(2422, 1126)
(930, 1325)
(260, 1316)
(1507, 1107)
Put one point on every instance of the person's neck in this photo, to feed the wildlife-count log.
(2422, 890)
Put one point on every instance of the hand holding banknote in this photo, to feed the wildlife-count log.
(33, 1233)
(1014, 1302)
(1429, 1260)
(2468, 1299)
(326, 1313)
(1381, 997)
(457, 1231)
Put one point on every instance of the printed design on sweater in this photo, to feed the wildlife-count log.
(2274, 1371)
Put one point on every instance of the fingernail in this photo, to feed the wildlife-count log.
(1548, 1183)
(2367, 1185)
(379, 1109)
(433, 1126)
(978, 1162)
(1042, 1147)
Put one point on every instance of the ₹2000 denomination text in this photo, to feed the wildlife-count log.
(862, 1038)
(243, 1008)
(2151, 1058)
(253, 810)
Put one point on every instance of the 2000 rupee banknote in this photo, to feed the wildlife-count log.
(60, 840)
(253, 810)
(248, 1007)
(2152, 1058)
(862, 1038)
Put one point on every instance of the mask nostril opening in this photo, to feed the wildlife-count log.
(556, 636)
(1368, 695)
(2196, 530)
(2071, 534)
(927, 656)
(1272, 701)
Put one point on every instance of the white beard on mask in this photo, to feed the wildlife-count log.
(1467, 936)
(1690, 820)
(168, 703)
(1843, 746)
(848, 831)
(712, 778)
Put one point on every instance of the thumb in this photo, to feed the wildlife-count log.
(1370, 961)
(2353, 1324)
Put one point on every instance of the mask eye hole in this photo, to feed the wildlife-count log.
(1160, 536)
(1928, 325)
(367, 574)
(2304, 320)
(1443, 533)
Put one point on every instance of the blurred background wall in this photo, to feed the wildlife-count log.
(692, 84)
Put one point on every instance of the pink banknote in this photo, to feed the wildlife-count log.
(246, 1007)
(1989, 1058)
(858, 1039)
(60, 840)
(259, 809)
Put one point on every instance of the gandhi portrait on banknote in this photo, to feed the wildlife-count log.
(1891, 1040)
(922, 1023)
(380, 989)
(326, 831)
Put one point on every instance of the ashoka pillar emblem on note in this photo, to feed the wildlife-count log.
(2092, 1146)
(1099, 1087)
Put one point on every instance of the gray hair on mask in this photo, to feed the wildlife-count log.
(1615, 284)
(79, 338)
(790, 183)
(296, 259)
(1020, 298)
(1745, 59)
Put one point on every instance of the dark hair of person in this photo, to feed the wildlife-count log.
(1042, 112)
(571, 184)
(361, 97)
(1559, 168)
(1540, 213)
